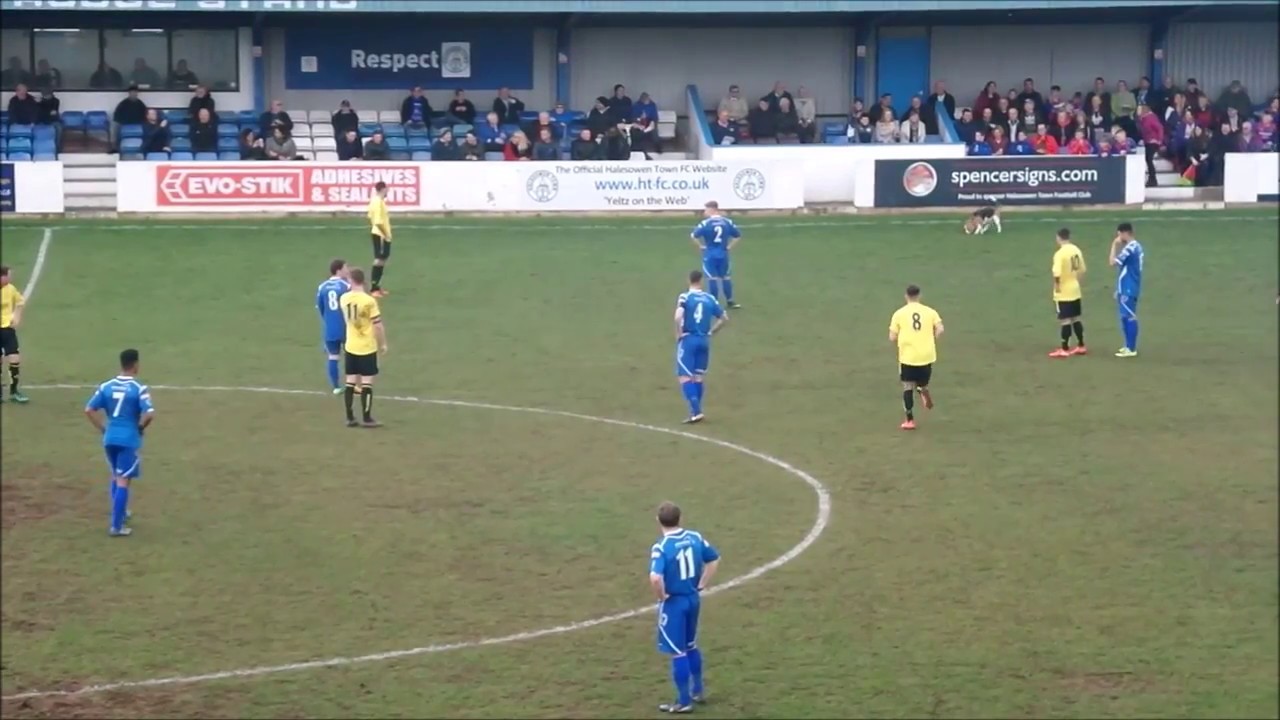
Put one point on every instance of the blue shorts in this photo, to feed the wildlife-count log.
(1127, 307)
(715, 267)
(333, 347)
(124, 461)
(678, 624)
(693, 355)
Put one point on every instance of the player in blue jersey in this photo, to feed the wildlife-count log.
(715, 236)
(333, 324)
(698, 317)
(126, 406)
(1127, 257)
(681, 565)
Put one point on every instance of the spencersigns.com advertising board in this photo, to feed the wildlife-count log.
(1049, 180)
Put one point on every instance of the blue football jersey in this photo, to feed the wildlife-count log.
(1129, 276)
(327, 297)
(679, 557)
(700, 312)
(125, 401)
(715, 233)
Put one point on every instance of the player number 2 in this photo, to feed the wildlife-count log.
(333, 299)
(719, 232)
(684, 560)
(118, 396)
(915, 321)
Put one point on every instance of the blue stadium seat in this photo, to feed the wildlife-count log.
(493, 156)
(206, 156)
(19, 156)
(73, 120)
(174, 115)
(4, 156)
(247, 117)
(367, 129)
(97, 121)
(130, 131)
(44, 146)
(397, 143)
(4, 131)
(226, 130)
(839, 139)
(417, 132)
(229, 155)
(574, 116)
(399, 156)
(44, 156)
(420, 156)
(511, 129)
(180, 144)
(18, 144)
(833, 128)
(43, 132)
(4, 117)
(419, 143)
(19, 131)
(130, 157)
(460, 130)
(186, 156)
(528, 116)
(228, 144)
(157, 156)
(131, 145)
(179, 129)
(393, 130)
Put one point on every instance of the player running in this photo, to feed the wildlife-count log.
(333, 326)
(698, 317)
(915, 329)
(1127, 257)
(715, 236)
(366, 338)
(681, 565)
(11, 303)
(126, 404)
(380, 222)
(1068, 269)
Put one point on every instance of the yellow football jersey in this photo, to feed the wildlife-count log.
(361, 313)
(379, 219)
(10, 300)
(914, 325)
(1068, 266)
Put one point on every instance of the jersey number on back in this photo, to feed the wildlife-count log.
(333, 299)
(684, 560)
(1075, 263)
(118, 396)
(697, 313)
(719, 231)
(353, 314)
(915, 321)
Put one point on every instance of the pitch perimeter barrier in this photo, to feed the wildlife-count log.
(32, 188)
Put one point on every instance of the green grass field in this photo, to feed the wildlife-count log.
(1090, 537)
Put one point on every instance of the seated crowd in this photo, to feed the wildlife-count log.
(776, 118)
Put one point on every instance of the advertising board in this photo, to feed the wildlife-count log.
(1050, 180)
(8, 189)
(288, 186)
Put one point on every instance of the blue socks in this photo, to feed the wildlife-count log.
(713, 288)
(695, 669)
(1130, 327)
(119, 505)
(692, 392)
(112, 487)
(680, 674)
(333, 373)
(728, 290)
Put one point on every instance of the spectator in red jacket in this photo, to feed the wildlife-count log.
(1063, 128)
(1043, 142)
(988, 98)
(1079, 145)
(1203, 110)
(998, 141)
(1152, 131)
(518, 148)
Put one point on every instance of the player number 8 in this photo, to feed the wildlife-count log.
(333, 299)
(915, 321)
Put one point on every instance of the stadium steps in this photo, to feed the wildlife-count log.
(90, 180)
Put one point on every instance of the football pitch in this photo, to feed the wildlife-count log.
(1088, 537)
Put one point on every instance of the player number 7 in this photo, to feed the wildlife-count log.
(118, 396)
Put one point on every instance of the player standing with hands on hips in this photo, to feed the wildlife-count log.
(1127, 257)
(681, 565)
(11, 302)
(698, 317)
(126, 404)
(380, 232)
(715, 236)
(1068, 269)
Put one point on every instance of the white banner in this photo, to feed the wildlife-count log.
(32, 187)
(491, 186)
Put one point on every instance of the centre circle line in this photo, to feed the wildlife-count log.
(819, 526)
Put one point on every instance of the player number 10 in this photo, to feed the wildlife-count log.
(684, 560)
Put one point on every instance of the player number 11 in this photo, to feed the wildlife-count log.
(684, 560)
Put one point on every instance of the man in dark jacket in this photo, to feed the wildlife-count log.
(966, 128)
(377, 148)
(1099, 88)
(23, 108)
(774, 98)
(345, 119)
(1236, 97)
(1029, 92)
(275, 117)
(939, 102)
(349, 147)
(886, 103)
(131, 110)
(620, 106)
(507, 106)
(583, 147)
(461, 110)
(600, 119)
(200, 99)
(444, 148)
(415, 111)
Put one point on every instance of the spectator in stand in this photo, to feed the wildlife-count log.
(1077, 101)
(988, 98)
(885, 107)
(1104, 147)
(774, 96)
(763, 124)
(444, 148)
(1032, 116)
(51, 113)
(1204, 111)
(131, 110)
(621, 109)
(978, 147)
(1098, 115)
(461, 111)
(144, 75)
(939, 102)
(23, 108)
(1194, 92)
(1248, 140)
(543, 123)
(491, 134)
(546, 149)
(987, 121)
(1144, 95)
(1012, 96)
(1123, 107)
(645, 107)
(723, 131)
(1266, 131)
(807, 112)
(584, 148)
(155, 133)
(643, 133)
(1234, 120)
(1235, 97)
(251, 146)
(1029, 92)
(518, 148)
(615, 145)
(274, 118)
(345, 120)
(1055, 103)
(1021, 146)
(376, 148)
(106, 78)
(560, 115)
(1219, 145)
(916, 105)
(966, 127)
(507, 106)
(200, 99)
(733, 105)
(48, 76)
(279, 146)
(998, 141)
(855, 109)
(471, 149)
(1198, 157)
(1179, 140)
(1078, 144)
(204, 132)
(1012, 123)
(181, 77)
(599, 120)
(886, 127)
(1272, 107)
(16, 73)
(1121, 142)
(415, 111)
(1174, 108)
(1152, 139)
(862, 132)
(1063, 128)
(788, 123)
(1043, 142)
(913, 129)
(1001, 113)
(1099, 90)
(1162, 97)
(349, 146)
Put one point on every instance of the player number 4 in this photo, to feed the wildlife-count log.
(684, 560)
(697, 313)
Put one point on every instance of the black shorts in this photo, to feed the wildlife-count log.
(1068, 309)
(918, 374)
(362, 365)
(381, 248)
(8, 341)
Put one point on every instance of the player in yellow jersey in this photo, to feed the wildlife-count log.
(1068, 271)
(380, 222)
(366, 339)
(11, 302)
(915, 329)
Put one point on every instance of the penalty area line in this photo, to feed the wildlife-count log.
(821, 521)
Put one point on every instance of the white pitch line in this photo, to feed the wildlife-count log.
(819, 526)
(38, 267)
(534, 227)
